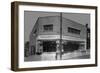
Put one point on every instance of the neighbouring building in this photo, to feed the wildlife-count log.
(47, 32)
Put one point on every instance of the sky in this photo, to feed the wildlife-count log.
(30, 18)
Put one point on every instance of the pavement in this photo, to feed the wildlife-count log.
(33, 58)
(76, 55)
(52, 56)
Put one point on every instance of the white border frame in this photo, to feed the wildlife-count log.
(34, 64)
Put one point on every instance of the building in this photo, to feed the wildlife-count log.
(56, 33)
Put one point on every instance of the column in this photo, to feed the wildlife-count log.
(58, 50)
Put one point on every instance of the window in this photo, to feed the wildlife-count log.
(35, 31)
(73, 30)
(48, 27)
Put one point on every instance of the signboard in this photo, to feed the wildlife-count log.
(48, 37)
(41, 37)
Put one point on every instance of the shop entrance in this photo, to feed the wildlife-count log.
(49, 46)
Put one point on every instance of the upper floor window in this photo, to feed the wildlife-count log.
(35, 31)
(73, 30)
(48, 27)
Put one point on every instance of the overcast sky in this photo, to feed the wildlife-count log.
(30, 18)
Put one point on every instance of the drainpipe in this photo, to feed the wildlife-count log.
(86, 36)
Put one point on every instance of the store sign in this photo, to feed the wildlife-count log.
(58, 37)
(73, 38)
(48, 37)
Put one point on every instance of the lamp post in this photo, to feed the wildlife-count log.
(60, 47)
(59, 42)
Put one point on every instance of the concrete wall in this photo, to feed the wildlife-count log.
(55, 20)
(69, 23)
(33, 35)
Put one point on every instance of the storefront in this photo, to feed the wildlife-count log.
(51, 43)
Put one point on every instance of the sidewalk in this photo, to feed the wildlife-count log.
(48, 56)
(33, 58)
(76, 55)
(52, 56)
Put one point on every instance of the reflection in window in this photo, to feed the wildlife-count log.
(48, 27)
(73, 30)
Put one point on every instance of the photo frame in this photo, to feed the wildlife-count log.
(52, 36)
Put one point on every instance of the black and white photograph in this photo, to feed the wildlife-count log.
(53, 36)
(56, 36)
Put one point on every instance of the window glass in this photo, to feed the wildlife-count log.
(73, 30)
(48, 27)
